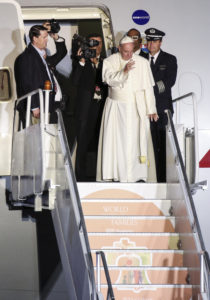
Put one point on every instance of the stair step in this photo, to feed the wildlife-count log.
(134, 241)
(129, 224)
(126, 207)
(125, 275)
(137, 258)
(152, 292)
(113, 190)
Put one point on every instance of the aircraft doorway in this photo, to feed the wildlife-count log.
(81, 21)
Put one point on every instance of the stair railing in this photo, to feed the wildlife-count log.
(20, 128)
(75, 196)
(195, 119)
(72, 188)
(44, 106)
(15, 171)
(205, 262)
(205, 275)
(101, 256)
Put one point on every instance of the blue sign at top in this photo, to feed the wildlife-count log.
(140, 17)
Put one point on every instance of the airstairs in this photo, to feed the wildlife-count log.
(149, 232)
(135, 226)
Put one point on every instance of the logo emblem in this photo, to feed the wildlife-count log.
(140, 17)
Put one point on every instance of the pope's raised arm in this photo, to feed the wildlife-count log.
(113, 76)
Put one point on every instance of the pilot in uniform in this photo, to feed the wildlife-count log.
(164, 70)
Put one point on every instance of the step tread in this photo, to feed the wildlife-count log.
(84, 200)
(135, 234)
(156, 285)
(138, 234)
(155, 268)
(133, 217)
(126, 184)
(143, 250)
(147, 250)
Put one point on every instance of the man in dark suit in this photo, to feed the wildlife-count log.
(136, 36)
(164, 70)
(91, 95)
(33, 67)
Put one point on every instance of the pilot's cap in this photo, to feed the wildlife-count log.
(153, 34)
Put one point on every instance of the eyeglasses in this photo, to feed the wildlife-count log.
(135, 37)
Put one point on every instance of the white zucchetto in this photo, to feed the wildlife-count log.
(125, 40)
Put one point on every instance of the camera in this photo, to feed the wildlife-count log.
(85, 45)
(54, 26)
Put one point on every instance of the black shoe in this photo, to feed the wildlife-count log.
(141, 180)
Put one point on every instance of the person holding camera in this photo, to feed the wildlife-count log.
(33, 67)
(91, 94)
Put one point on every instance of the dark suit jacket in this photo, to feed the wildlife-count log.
(85, 78)
(143, 54)
(31, 72)
(88, 114)
(164, 73)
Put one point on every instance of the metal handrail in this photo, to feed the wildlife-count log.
(41, 101)
(28, 96)
(82, 225)
(204, 259)
(182, 97)
(195, 119)
(110, 292)
(205, 262)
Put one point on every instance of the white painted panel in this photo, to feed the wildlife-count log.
(11, 44)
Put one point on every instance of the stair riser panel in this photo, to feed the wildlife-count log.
(136, 259)
(136, 276)
(134, 242)
(150, 293)
(131, 224)
(122, 191)
(126, 208)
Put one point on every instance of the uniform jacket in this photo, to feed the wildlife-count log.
(164, 73)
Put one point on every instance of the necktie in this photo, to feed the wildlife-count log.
(53, 80)
(152, 64)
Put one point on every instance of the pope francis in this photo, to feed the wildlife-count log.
(125, 151)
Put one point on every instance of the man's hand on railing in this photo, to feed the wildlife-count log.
(36, 113)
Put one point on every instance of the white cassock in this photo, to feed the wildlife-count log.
(125, 151)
